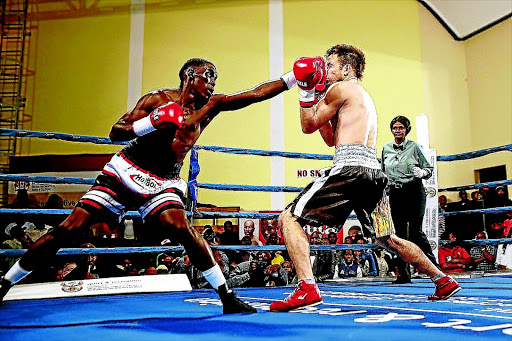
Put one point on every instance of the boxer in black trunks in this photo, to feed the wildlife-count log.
(346, 118)
(163, 127)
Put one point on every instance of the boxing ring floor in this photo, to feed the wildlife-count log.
(351, 311)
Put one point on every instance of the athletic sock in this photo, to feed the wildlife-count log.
(16, 273)
(214, 276)
(438, 277)
(309, 280)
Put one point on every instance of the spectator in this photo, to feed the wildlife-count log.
(366, 259)
(54, 203)
(289, 269)
(229, 236)
(483, 256)
(475, 196)
(497, 220)
(348, 240)
(463, 203)
(504, 254)
(452, 257)
(348, 267)
(382, 263)
(442, 209)
(22, 200)
(249, 231)
(89, 263)
(162, 269)
(322, 261)
(333, 238)
(150, 270)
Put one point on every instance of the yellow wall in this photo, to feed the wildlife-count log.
(489, 64)
(413, 66)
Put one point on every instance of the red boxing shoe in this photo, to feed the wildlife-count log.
(446, 287)
(304, 295)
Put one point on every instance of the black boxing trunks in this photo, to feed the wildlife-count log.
(355, 183)
(122, 185)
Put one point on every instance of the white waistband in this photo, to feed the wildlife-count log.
(355, 155)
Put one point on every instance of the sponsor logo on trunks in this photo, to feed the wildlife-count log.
(72, 286)
(144, 181)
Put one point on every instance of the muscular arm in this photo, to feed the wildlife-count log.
(122, 129)
(242, 99)
(327, 133)
(314, 118)
(257, 94)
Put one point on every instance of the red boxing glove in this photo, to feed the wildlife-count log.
(311, 75)
(167, 115)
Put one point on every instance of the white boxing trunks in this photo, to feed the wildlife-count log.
(122, 185)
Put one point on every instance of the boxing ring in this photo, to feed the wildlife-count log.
(353, 309)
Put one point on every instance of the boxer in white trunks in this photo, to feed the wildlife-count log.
(144, 175)
(347, 119)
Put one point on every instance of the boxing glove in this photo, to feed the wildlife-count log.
(168, 115)
(311, 74)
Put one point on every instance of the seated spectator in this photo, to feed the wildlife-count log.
(452, 257)
(504, 254)
(229, 237)
(91, 263)
(365, 259)
(333, 238)
(150, 270)
(483, 256)
(442, 209)
(162, 269)
(348, 267)
(289, 269)
(475, 196)
(382, 263)
(322, 261)
(23, 200)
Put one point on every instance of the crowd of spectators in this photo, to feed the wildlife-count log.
(242, 267)
(467, 225)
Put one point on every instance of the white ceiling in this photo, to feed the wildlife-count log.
(465, 18)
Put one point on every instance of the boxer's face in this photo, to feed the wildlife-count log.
(205, 77)
(334, 73)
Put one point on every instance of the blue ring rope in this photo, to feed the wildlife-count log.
(159, 249)
(59, 136)
(106, 140)
(482, 185)
(224, 187)
(260, 152)
(247, 215)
